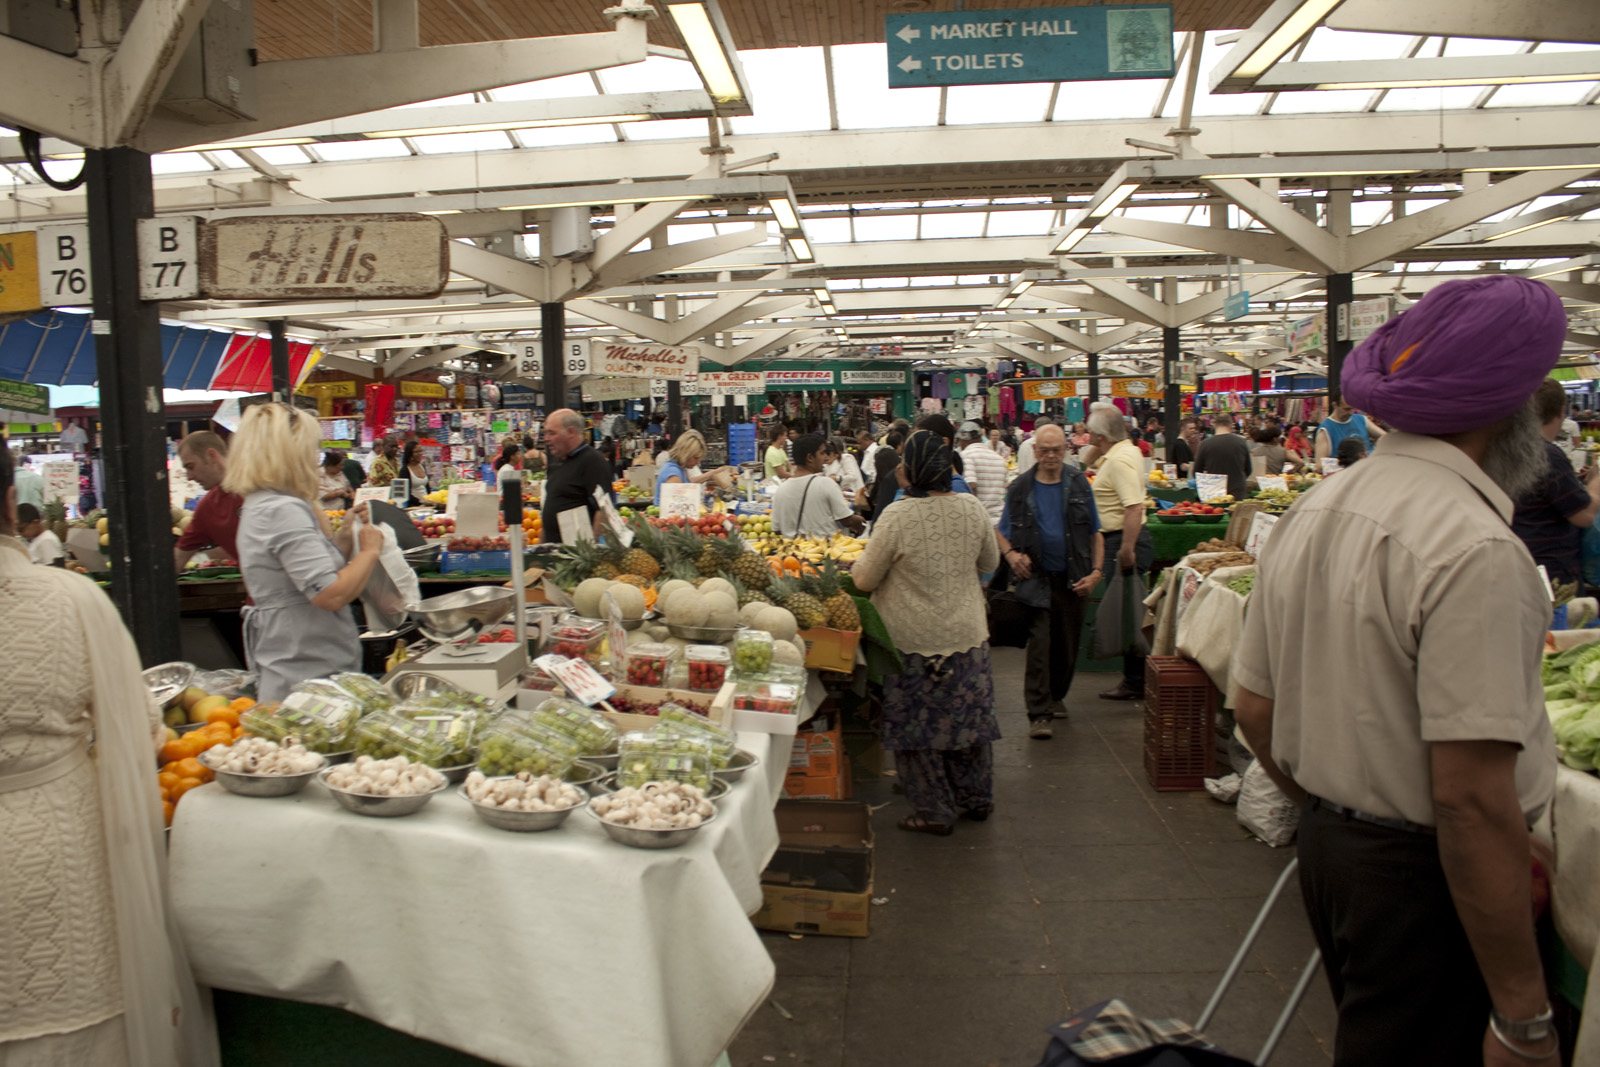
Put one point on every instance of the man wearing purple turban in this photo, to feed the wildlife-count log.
(1388, 679)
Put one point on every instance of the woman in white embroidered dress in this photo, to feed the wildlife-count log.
(91, 971)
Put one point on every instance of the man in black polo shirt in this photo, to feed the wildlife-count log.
(576, 470)
(1552, 517)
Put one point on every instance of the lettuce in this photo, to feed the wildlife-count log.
(1578, 736)
(1586, 666)
(1560, 690)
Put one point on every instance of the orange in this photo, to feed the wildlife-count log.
(189, 768)
(168, 779)
(183, 786)
(168, 808)
(224, 715)
(243, 704)
(172, 751)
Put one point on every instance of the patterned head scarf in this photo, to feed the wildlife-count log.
(929, 463)
(1469, 354)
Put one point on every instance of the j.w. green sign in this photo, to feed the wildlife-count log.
(24, 397)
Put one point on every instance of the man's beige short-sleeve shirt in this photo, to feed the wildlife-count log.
(1394, 607)
(1118, 484)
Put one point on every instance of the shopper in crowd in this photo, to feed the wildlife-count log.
(385, 463)
(1225, 452)
(1275, 457)
(332, 487)
(576, 473)
(533, 459)
(353, 472)
(301, 580)
(30, 486)
(885, 486)
(1181, 454)
(1025, 451)
(922, 566)
(214, 525)
(44, 547)
(997, 443)
(986, 470)
(866, 452)
(811, 503)
(1119, 490)
(776, 461)
(1344, 421)
(1050, 541)
(843, 468)
(414, 468)
(92, 971)
(1351, 452)
(1551, 517)
(1297, 446)
(682, 464)
(946, 429)
(510, 455)
(1388, 678)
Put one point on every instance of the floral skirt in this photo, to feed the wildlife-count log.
(940, 702)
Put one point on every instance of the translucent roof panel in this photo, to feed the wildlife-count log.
(861, 87)
(655, 74)
(664, 129)
(996, 103)
(340, 151)
(569, 85)
(1308, 103)
(1127, 99)
(1480, 46)
(953, 224)
(1331, 45)
(178, 163)
(1430, 98)
(1020, 223)
(886, 228)
(827, 231)
(286, 155)
(443, 143)
(1543, 94)
(551, 136)
(790, 89)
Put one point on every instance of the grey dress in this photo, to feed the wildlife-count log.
(287, 560)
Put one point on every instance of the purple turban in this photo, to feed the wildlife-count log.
(1468, 355)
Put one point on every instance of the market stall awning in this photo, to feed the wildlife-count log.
(247, 368)
(57, 348)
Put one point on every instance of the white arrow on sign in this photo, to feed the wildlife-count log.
(908, 64)
(907, 34)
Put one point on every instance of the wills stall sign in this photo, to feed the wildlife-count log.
(348, 257)
(643, 361)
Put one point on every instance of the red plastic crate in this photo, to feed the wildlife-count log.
(1180, 710)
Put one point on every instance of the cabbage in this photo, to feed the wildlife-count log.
(1586, 666)
(1578, 735)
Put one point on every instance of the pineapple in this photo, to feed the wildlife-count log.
(807, 610)
(752, 569)
(745, 594)
(710, 560)
(577, 562)
(841, 608)
(643, 558)
(54, 515)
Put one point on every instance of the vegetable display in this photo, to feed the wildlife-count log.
(523, 792)
(655, 806)
(1243, 584)
(397, 777)
(256, 755)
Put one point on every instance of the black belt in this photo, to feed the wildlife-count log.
(1395, 824)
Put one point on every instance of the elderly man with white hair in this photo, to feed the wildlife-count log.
(576, 471)
(1119, 490)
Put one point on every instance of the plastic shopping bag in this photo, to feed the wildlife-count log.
(1265, 811)
(1118, 627)
(392, 586)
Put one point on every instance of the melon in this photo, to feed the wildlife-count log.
(722, 611)
(784, 652)
(778, 622)
(800, 644)
(666, 589)
(687, 608)
(655, 632)
(718, 585)
(629, 598)
(747, 614)
(586, 598)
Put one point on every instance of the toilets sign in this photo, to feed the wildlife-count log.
(1044, 44)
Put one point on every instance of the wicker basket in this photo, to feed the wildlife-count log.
(1180, 709)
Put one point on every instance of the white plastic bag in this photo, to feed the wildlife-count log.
(392, 586)
(1225, 789)
(1209, 630)
(1265, 811)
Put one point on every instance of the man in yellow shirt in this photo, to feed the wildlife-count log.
(1119, 490)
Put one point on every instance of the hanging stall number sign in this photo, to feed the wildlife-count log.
(169, 258)
(64, 266)
(643, 361)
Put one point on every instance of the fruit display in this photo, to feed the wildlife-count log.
(503, 636)
(655, 806)
(708, 667)
(196, 705)
(796, 598)
(397, 777)
(1216, 544)
(335, 518)
(663, 757)
(435, 526)
(366, 690)
(532, 526)
(676, 719)
(587, 728)
(648, 663)
(522, 792)
(180, 766)
(626, 705)
(775, 698)
(257, 755)
(541, 681)
(809, 550)
(752, 650)
(323, 724)
(1277, 501)
(434, 739)
(576, 639)
(511, 745)
(477, 544)
(1192, 508)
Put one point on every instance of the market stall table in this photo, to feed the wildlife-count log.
(1173, 542)
(542, 950)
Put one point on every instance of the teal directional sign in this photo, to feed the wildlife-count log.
(1041, 44)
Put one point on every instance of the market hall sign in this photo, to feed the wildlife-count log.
(23, 397)
(873, 377)
(643, 361)
(1044, 44)
(424, 390)
(779, 379)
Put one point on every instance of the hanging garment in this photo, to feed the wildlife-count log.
(931, 406)
(1075, 409)
(941, 386)
(958, 386)
(992, 402)
(1008, 404)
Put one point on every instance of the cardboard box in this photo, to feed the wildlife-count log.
(533, 582)
(820, 879)
(840, 786)
(831, 650)
(818, 753)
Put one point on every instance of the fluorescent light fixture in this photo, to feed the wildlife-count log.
(1305, 174)
(496, 127)
(821, 295)
(710, 47)
(1072, 238)
(1434, 83)
(800, 248)
(1114, 201)
(1006, 301)
(829, 309)
(442, 211)
(224, 146)
(1301, 22)
(1021, 287)
(783, 210)
(1550, 166)
(1525, 229)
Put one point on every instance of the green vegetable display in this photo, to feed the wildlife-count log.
(1572, 701)
(1243, 584)
(654, 757)
(511, 746)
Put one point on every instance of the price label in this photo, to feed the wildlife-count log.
(1260, 529)
(681, 499)
(64, 266)
(584, 683)
(372, 492)
(169, 257)
(613, 518)
(618, 633)
(1211, 486)
(1330, 465)
(1270, 481)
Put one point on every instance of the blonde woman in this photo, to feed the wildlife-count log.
(683, 463)
(299, 624)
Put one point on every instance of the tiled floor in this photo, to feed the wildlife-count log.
(1085, 884)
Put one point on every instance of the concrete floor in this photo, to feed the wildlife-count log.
(1084, 885)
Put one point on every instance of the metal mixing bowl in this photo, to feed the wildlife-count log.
(263, 785)
(523, 822)
(634, 838)
(408, 685)
(742, 761)
(382, 807)
(464, 615)
(458, 774)
(719, 787)
(705, 635)
(584, 773)
(166, 680)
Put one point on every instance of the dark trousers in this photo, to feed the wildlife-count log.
(1052, 655)
(941, 783)
(1144, 553)
(1403, 976)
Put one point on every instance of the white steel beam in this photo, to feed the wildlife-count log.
(1526, 20)
(637, 266)
(1444, 70)
(138, 71)
(756, 347)
(1240, 244)
(47, 92)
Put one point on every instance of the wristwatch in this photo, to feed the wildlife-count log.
(1524, 1031)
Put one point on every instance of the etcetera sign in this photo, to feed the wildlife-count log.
(643, 361)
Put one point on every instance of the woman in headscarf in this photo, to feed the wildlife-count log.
(923, 562)
(885, 461)
(1296, 444)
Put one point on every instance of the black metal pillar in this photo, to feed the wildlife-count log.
(1172, 395)
(1255, 391)
(1341, 290)
(552, 336)
(1094, 379)
(127, 341)
(674, 408)
(730, 411)
(282, 381)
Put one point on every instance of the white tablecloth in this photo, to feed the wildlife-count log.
(544, 950)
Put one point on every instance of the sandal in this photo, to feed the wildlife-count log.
(916, 824)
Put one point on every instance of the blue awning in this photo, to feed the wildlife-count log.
(57, 348)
